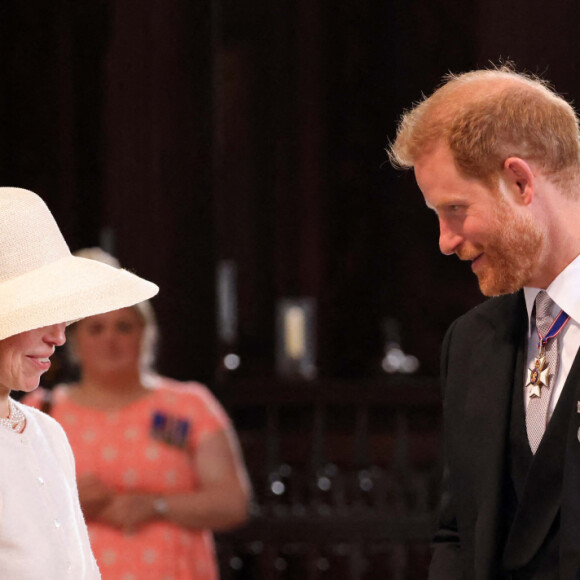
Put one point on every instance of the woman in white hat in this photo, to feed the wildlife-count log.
(158, 461)
(42, 289)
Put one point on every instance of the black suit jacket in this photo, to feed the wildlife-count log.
(482, 360)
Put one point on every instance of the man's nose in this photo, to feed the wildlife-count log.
(449, 239)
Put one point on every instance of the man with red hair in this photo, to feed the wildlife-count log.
(496, 155)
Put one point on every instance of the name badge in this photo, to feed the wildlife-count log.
(170, 429)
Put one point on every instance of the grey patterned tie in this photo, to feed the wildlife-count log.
(537, 411)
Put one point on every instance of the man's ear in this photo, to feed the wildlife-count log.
(520, 179)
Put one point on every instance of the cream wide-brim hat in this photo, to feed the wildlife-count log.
(41, 282)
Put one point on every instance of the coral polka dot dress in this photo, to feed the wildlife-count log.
(145, 447)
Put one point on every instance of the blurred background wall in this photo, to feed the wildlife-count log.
(182, 133)
(179, 134)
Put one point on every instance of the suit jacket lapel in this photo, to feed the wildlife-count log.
(570, 509)
(486, 420)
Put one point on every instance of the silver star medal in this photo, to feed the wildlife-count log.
(538, 376)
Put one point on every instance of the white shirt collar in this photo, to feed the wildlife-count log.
(563, 291)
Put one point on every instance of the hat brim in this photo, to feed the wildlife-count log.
(65, 291)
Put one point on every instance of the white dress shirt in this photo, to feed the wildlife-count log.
(565, 292)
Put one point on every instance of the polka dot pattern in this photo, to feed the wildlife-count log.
(120, 449)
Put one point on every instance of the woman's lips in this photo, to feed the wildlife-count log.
(40, 362)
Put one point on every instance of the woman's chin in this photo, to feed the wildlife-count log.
(27, 387)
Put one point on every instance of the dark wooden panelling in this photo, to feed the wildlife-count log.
(158, 168)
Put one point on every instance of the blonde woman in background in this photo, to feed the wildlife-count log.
(42, 289)
(158, 462)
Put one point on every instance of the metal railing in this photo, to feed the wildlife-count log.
(345, 477)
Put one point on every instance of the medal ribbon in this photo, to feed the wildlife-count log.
(557, 326)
